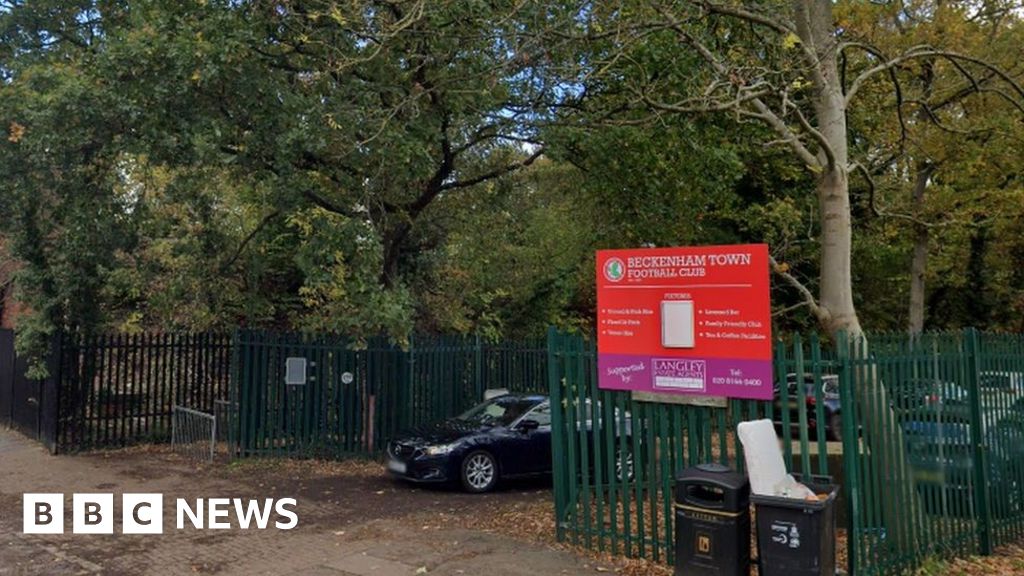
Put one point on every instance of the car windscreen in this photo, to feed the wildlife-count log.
(995, 380)
(500, 411)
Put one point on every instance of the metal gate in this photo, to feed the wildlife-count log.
(295, 394)
(299, 395)
(27, 405)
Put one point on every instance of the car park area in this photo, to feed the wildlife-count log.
(353, 520)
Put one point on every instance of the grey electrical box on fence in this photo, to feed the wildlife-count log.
(295, 371)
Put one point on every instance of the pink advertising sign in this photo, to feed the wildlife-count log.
(688, 320)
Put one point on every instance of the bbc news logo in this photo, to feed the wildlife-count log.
(144, 513)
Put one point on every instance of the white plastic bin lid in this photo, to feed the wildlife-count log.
(765, 466)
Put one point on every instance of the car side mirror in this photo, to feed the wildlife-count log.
(528, 425)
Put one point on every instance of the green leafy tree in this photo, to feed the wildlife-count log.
(938, 139)
(62, 198)
(794, 69)
(367, 111)
(789, 66)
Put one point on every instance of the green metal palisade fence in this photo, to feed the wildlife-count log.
(931, 461)
(951, 406)
(117, 389)
(361, 393)
(597, 433)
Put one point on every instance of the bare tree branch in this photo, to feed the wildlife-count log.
(927, 52)
(790, 138)
(788, 309)
(823, 143)
(248, 238)
(701, 105)
(885, 213)
(811, 59)
(326, 204)
(897, 88)
(929, 112)
(507, 169)
(808, 298)
(762, 111)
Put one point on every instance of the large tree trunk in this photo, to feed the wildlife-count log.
(919, 259)
(882, 436)
(816, 28)
(918, 267)
(836, 282)
(394, 237)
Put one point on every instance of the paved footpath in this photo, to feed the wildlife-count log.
(348, 529)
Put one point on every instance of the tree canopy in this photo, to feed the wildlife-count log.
(380, 167)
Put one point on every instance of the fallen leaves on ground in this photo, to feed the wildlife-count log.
(1007, 561)
(529, 519)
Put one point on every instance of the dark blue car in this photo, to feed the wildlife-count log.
(828, 384)
(505, 437)
(508, 436)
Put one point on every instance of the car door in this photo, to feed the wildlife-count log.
(540, 440)
(530, 451)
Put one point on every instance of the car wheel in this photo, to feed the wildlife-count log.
(479, 472)
(835, 427)
(623, 465)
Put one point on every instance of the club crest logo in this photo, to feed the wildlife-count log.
(614, 269)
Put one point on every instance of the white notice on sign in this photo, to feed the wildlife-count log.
(677, 324)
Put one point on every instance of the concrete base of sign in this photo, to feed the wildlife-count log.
(708, 401)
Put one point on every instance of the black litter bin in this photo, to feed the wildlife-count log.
(712, 521)
(797, 537)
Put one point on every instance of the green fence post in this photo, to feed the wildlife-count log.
(981, 471)
(478, 369)
(558, 434)
(408, 409)
(819, 405)
(801, 397)
(234, 406)
(781, 363)
(850, 453)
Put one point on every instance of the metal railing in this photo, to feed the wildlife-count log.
(599, 433)
(924, 434)
(118, 389)
(939, 468)
(358, 394)
(193, 434)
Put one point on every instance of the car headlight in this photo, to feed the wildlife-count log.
(439, 450)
